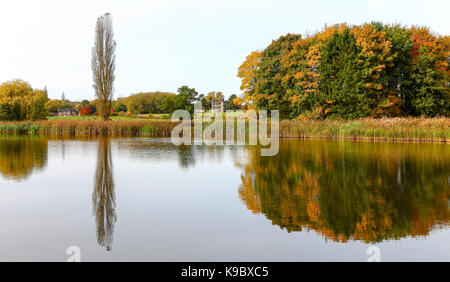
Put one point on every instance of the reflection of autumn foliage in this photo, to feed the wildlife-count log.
(19, 156)
(351, 191)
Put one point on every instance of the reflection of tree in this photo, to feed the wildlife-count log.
(351, 191)
(103, 197)
(19, 156)
(162, 150)
(186, 156)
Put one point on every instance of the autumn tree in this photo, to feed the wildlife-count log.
(55, 105)
(430, 75)
(103, 64)
(269, 90)
(143, 103)
(230, 103)
(86, 110)
(350, 72)
(19, 101)
(247, 73)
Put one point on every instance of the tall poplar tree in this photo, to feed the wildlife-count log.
(103, 64)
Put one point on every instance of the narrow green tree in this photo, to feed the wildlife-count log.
(341, 83)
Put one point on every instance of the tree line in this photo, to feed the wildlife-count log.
(19, 101)
(342, 72)
(347, 72)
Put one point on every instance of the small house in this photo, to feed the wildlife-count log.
(67, 113)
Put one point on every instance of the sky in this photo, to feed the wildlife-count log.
(164, 44)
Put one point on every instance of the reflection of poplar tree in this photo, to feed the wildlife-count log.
(103, 196)
(186, 157)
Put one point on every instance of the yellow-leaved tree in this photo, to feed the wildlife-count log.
(19, 101)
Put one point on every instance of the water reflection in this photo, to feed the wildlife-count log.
(162, 150)
(351, 191)
(21, 156)
(103, 196)
(343, 190)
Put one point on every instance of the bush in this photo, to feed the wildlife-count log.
(86, 110)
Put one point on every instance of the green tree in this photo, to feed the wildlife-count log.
(230, 104)
(120, 107)
(184, 100)
(341, 78)
(145, 103)
(269, 74)
(430, 95)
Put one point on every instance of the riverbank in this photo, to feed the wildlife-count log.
(384, 129)
(388, 129)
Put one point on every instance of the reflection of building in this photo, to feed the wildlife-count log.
(218, 106)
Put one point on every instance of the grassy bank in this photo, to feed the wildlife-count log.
(390, 129)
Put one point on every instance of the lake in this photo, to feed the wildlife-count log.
(139, 199)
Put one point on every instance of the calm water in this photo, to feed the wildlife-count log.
(145, 199)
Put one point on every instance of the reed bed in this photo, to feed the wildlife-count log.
(390, 129)
(149, 128)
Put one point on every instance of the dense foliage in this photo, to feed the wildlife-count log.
(18, 101)
(142, 103)
(351, 72)
(184, 100)
(53, 106)
(86, 110)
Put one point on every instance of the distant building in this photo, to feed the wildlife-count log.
(218, 106)
(67, 113)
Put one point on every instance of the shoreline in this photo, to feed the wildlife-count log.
(424, 130)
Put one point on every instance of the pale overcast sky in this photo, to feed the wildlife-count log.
(162, 45)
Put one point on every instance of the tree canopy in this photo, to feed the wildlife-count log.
(19, 101)
(143, 103)
(351, 72)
